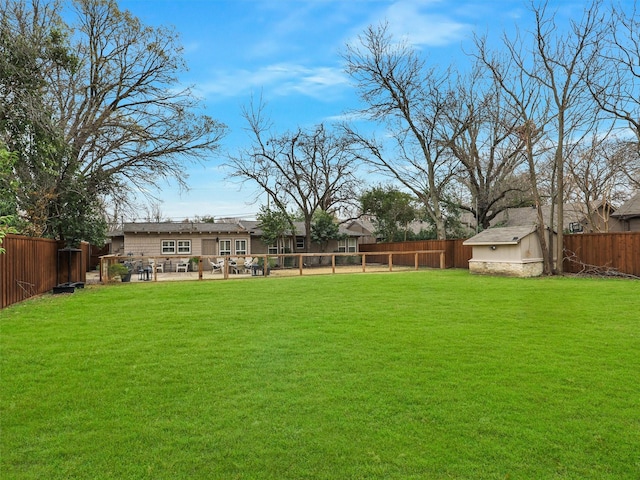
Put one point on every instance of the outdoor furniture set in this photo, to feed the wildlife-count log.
(235, 265)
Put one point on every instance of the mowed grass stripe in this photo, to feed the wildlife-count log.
(430, 374)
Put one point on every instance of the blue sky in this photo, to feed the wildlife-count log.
(288, 51)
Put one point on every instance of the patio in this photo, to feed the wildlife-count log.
(93, 277)
(279, 265)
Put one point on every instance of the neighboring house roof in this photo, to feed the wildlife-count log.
(512, 217)
(358, 228)
(250, 226)
(183, 228)
(629, 209)
(501, 236)
(253, 227)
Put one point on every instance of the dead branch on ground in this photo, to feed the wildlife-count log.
(589, 270)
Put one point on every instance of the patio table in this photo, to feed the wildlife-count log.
(144, 273)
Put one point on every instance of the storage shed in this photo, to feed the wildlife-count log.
(513, 251)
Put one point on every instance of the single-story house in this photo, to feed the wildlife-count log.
(240, 238)
(181, 240)
(629, 214)
(512, 251)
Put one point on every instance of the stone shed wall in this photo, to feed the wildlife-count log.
(511, 269)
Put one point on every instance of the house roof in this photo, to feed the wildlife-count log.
(252, 227)
(350, 230)
(501, 236)
(525, 216)
(183, 228)
(629, 209)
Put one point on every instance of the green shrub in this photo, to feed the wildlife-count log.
(118, 270)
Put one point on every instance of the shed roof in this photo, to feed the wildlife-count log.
(501, 236)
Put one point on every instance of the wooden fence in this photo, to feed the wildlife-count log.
(456, 255)
(619, 250)
(32, 266)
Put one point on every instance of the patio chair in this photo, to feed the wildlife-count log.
(233, 265)
(217, 265)
(158, 267)
(248, 262)
(182, 265)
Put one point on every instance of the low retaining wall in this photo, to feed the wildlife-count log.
(511, 269)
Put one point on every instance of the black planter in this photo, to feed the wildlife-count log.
(126, 278)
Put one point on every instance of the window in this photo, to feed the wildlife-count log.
(347, 245)
(184, 246)
(300, 243)
(168, 246)
(225, 247)
(241, 247)
(281, 246)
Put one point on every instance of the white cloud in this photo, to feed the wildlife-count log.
(420, 24)
(278, 79)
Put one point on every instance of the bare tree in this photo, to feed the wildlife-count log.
(547, 88)
(561, 65)
(122, 110)
(412, 102)
(596, 179)
(629, 153)
(301, 171)
(153, 213)
(487, 148)
(616, 87)
(525, 101)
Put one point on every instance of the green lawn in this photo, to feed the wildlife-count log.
(429, 374)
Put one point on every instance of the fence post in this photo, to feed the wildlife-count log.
(391, 262)
(442, 264)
